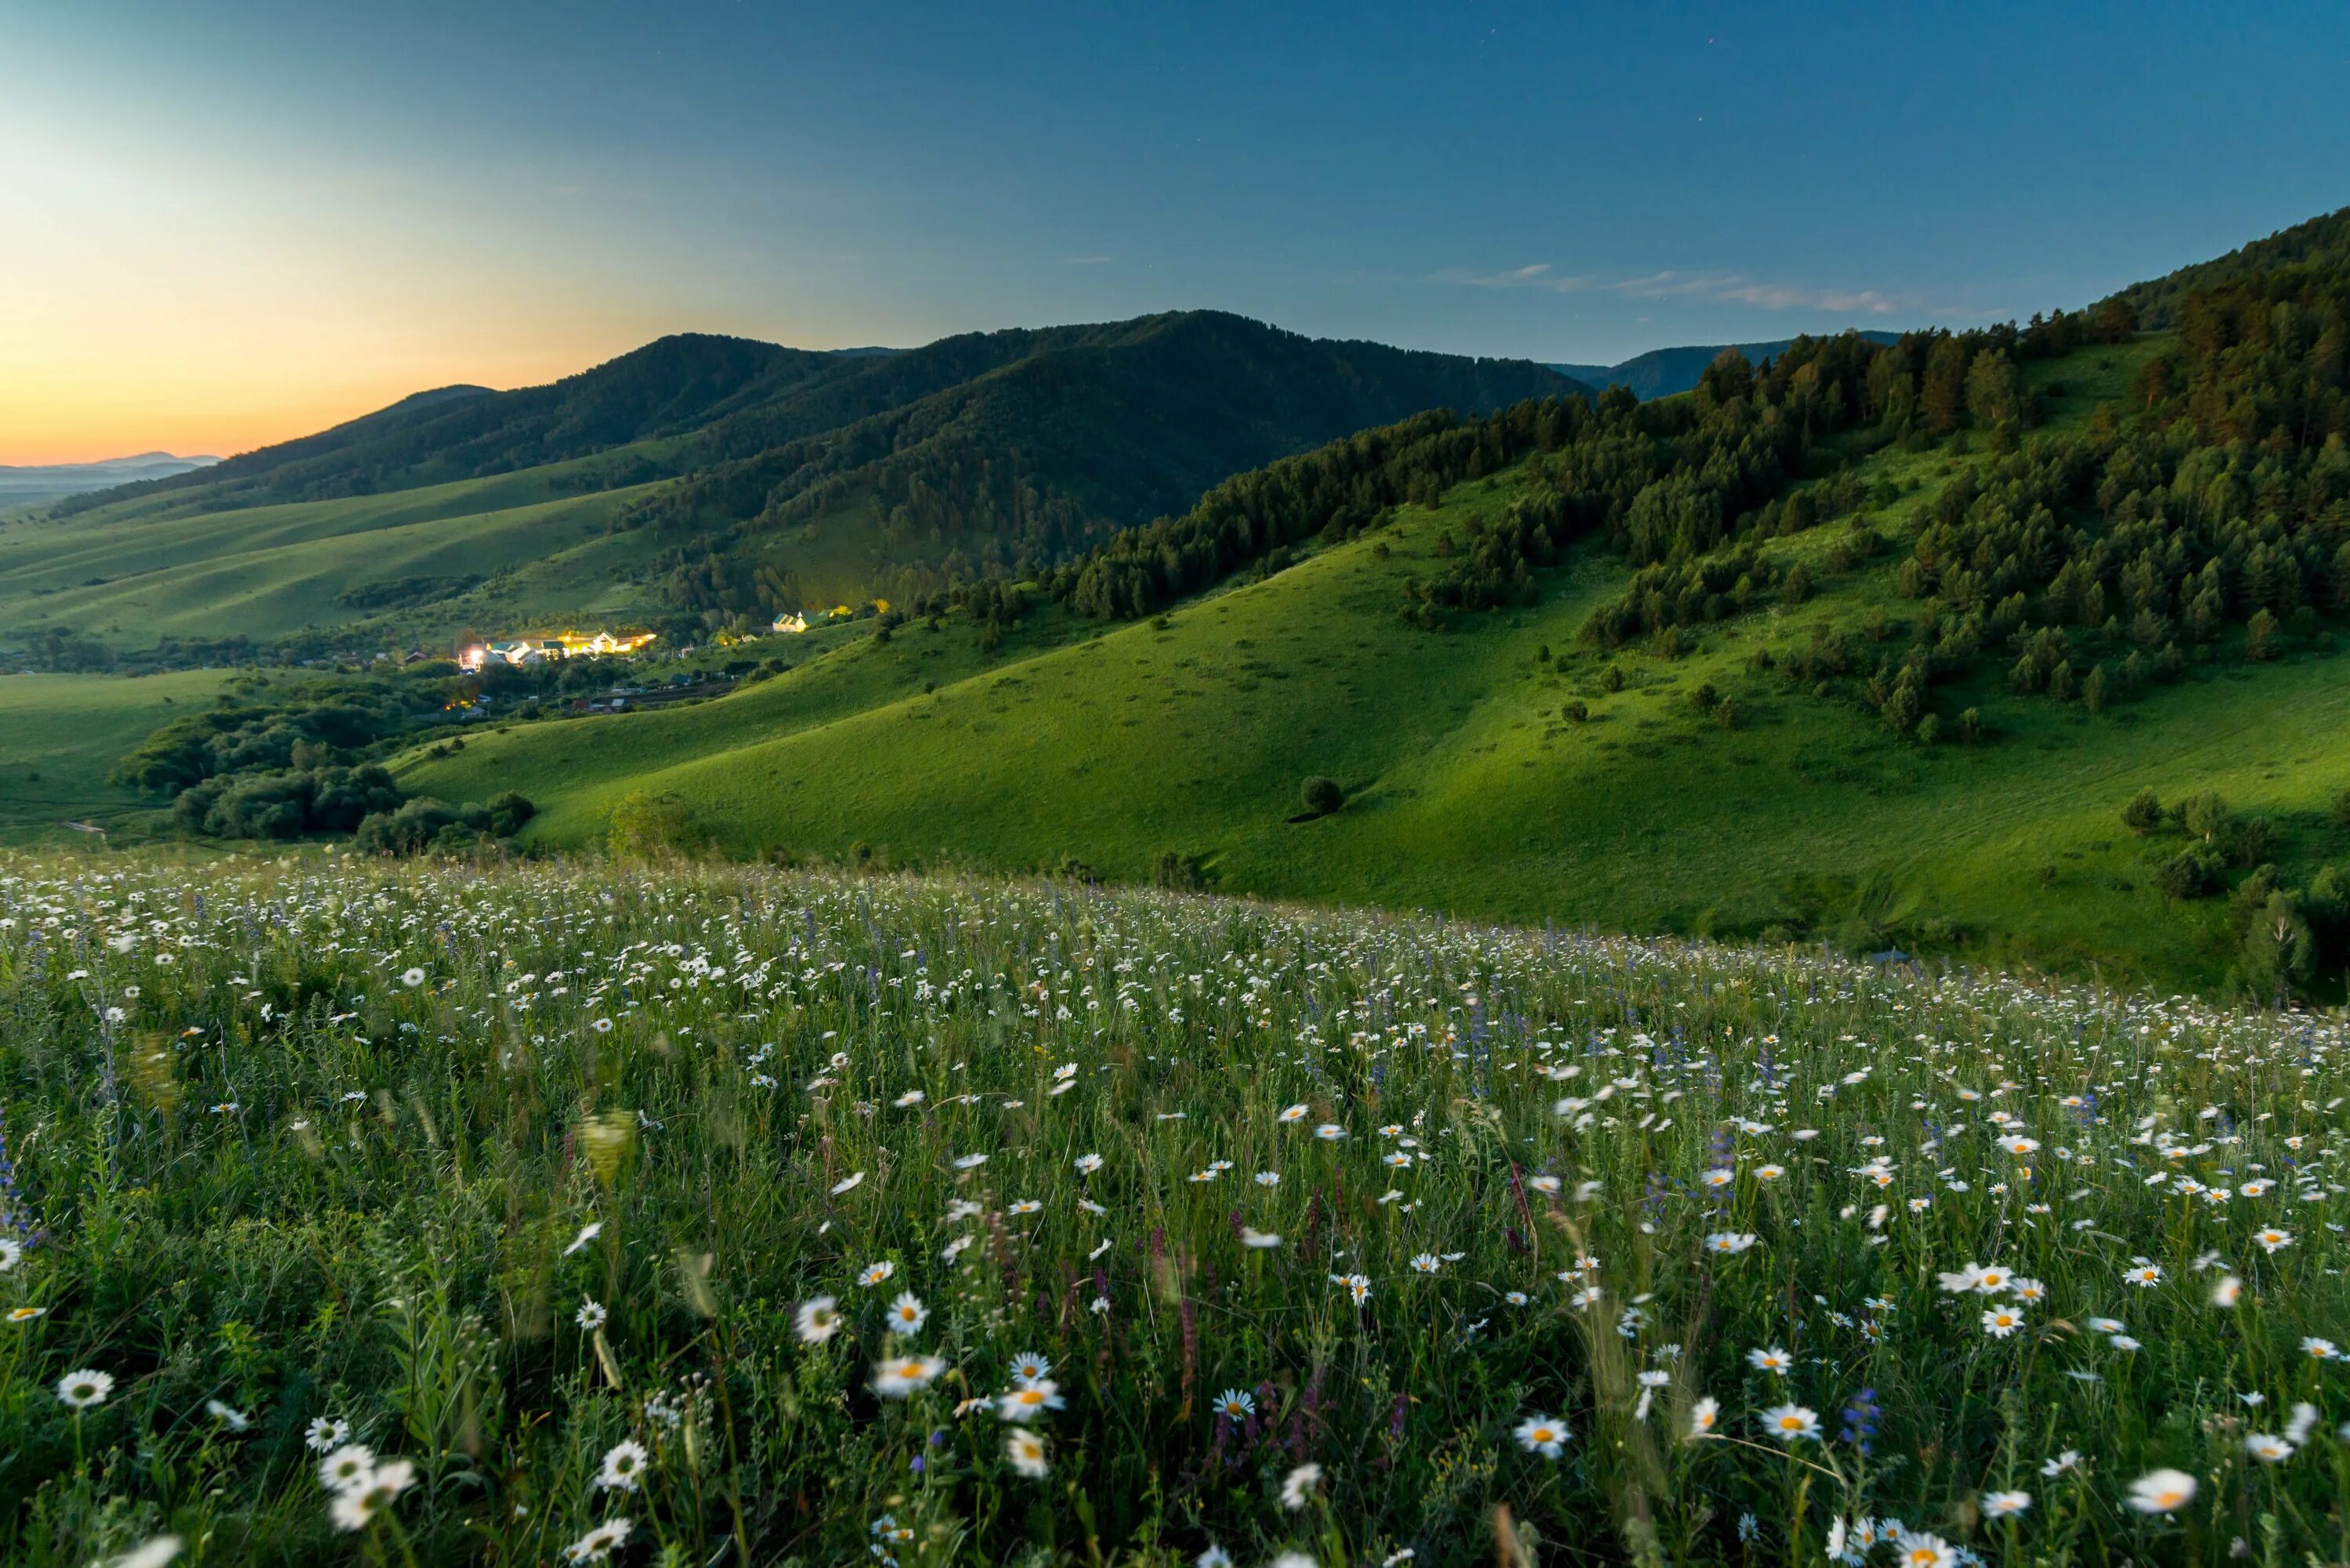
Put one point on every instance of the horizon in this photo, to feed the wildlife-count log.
(247, 227)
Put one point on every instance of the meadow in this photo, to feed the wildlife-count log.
(676, 1212)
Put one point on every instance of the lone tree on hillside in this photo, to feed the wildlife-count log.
(1324, 796)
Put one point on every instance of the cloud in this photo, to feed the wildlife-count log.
(1084, 261)
(1729, 287)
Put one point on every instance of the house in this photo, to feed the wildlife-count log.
(794, 622)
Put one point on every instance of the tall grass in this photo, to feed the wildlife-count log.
(505, 1170)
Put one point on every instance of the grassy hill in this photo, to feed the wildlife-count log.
(59, 737)
(711, 478)
(1466, 790)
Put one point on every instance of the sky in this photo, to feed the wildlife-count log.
(229, 225)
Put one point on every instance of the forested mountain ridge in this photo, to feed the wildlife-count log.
(1028, 462)
(1665, 372)
(2323, 240)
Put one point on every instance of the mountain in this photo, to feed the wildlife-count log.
(2018, 644)
(53, 481)
(716, 478)
(2321, 241)
(1664, 372)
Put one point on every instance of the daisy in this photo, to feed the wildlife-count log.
(81, 1390)
(1029, 1400)
(849, 1182)
(902, 1376)
(1028, 1366)
(1425, 1263)
(1025, 1452)
(1235, 1403)
(356, 1507)
(590, 1315)
(1329, 1132)
(2069, 1460)
(600, 1542)
(2162, 1492)
(325, 1435)
(1088, 1163)
(1516, 1298)
(587, 1232)
(907, 1314)
(2143, 1276)
(1358, 1286)
(2000, 1321)
(1728, 1242)
(1026, 1206)
(1298, 1486)
(2267, 1448)
(2273, 1241)
(2228, 1291)
(819, 1320)
(874, 1274)
(27, 1313)
(1293, 1114)
(2107, 1324)
(2028, 1290)
(11, 1255)
(2005, 1504)
(1960, 1282)
(1268, 1178)
(1251, 1236)
(623, 1462)
(1788, 1423)
(347, 1467)
(2320, 1349)
(227, 1415)
(1773, 1360)
(1919, 1550)
(412, 978)
(1540, 1435)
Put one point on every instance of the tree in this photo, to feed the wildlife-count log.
(2143, 814)
(1323, 796)
(1942, 399)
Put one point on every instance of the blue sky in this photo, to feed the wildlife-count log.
(287, 213)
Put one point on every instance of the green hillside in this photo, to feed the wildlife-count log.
(1467, 793)
(59, 737)
(2073, 563)
(705, 484)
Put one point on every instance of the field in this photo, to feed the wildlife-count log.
(1468, 791)
(697, 1214)
(60, 738)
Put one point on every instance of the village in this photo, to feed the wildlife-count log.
(522, 653)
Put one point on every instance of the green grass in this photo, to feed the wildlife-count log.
(1467, 793)
(61, 734)
(133, 573)
(517, 1174)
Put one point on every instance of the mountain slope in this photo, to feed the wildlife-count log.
(714, 481)
(1666, 372)
(2321, 241)
(1882, 647)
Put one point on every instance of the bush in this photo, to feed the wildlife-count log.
(2143, 814)
(508, 813)
(2195, 872)
(1176, 869)
(643, 823)
(1323, 796)
(1576, 711)
(421, 825)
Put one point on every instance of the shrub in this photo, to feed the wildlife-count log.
(2195, 872)
(1323, 796)
(1179, 870)
(2143, 814)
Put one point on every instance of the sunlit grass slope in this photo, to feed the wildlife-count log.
(530, 545)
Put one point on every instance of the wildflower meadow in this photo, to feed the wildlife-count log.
(582, 1212)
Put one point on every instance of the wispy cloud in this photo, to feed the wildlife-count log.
(1729, 287)
(1084, 261)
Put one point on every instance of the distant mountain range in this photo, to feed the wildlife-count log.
(53, 481)
(1663, 372)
